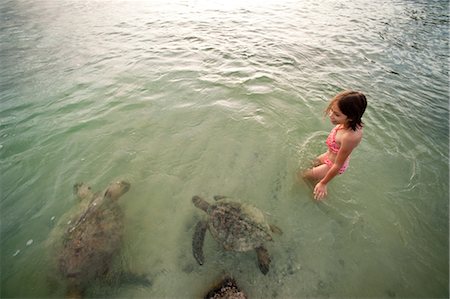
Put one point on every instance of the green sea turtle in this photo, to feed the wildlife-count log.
(236, 226)
(93, 237)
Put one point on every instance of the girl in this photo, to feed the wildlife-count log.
(345, 111)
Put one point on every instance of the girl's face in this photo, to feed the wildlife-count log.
(336, 116)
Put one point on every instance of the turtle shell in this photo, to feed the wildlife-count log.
(238, 227)
(90, 244)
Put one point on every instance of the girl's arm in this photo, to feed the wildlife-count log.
(347, 145)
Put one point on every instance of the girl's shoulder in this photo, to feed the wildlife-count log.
(351, 135)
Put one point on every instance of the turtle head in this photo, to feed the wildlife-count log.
(82, 190)
(117, 189)
(200, 203)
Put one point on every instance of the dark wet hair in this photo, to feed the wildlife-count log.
(352, 104)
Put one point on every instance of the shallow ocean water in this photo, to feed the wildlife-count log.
(210, 97)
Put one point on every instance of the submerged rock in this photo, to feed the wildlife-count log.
(227, 288)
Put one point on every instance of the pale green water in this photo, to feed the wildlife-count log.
(199, 97)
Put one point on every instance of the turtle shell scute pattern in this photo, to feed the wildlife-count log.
(238, 227)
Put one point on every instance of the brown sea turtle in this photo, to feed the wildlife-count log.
(236, 226)
(93, 238)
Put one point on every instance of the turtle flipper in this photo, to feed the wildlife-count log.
(219, 197)
(198, 240)
(275, 229)
(263, 259)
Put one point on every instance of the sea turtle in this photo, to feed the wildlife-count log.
(93, 238)
(236, 226)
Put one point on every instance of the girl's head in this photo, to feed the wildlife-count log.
(347, 107)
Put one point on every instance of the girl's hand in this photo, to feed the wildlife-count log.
(320, 191)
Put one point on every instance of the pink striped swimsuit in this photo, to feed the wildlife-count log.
(333, 147)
